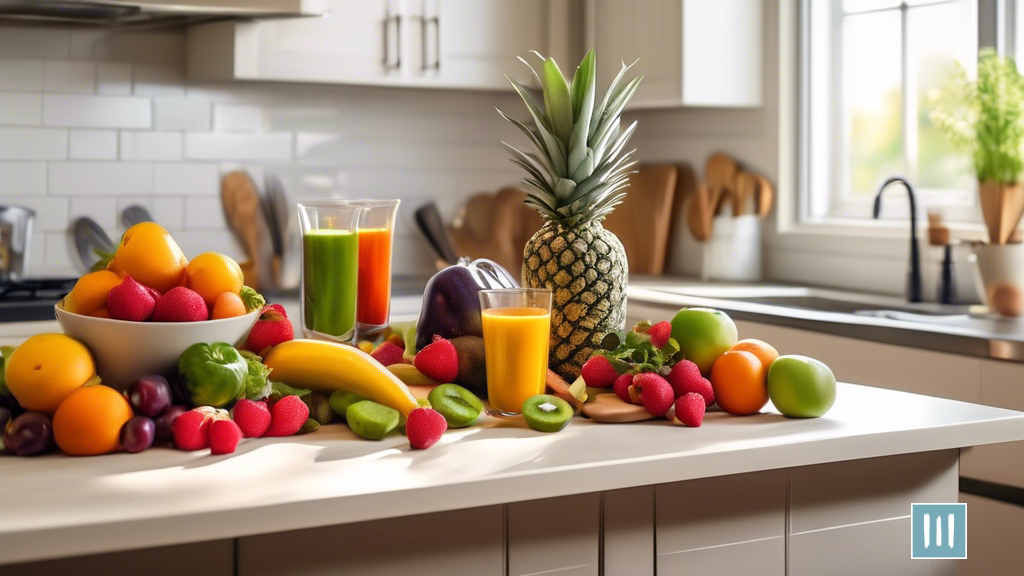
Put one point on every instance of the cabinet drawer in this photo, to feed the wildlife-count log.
(628, 531)
(559, 535)
(438, 544)
(844, 493)
(762, 557)
(208, 558)
(710, 512)
(874, 548)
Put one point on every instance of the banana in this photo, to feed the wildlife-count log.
(326, 366)
(411, 376)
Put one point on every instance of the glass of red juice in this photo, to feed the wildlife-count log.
(330, 268)
(376, 235)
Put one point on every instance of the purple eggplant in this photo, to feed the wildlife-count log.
(451, 307)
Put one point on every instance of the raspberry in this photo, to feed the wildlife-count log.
(253, 418)
(438, 360)
(685, 377)
(599, 372)
(655, 393)
(424, 428)
(690, 410)
(224, 436)
(287, 416)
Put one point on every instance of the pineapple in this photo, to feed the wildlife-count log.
(575, 179)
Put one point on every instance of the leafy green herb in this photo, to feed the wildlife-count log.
(279, 390)
(985, 118)
(636, 352)
(252, 299)
(257, 386)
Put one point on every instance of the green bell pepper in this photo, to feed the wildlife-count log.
(213, 374)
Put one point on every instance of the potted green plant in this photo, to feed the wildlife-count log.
(988, 125)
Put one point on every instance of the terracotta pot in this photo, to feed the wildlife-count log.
(1002, 206)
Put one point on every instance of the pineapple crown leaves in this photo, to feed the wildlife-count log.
(578, 171)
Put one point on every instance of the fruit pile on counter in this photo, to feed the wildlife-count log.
(416, 378)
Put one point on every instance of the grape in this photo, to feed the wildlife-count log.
(150, 395)
(29, 434)
(137, 434)
(163, 423)
(5, 417)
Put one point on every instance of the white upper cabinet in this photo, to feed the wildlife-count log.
(416, 43)
(692, 52)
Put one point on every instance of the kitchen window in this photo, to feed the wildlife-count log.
(871, 71)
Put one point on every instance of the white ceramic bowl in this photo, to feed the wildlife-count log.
(126, 350)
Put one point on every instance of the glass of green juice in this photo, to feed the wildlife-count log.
(330, 268)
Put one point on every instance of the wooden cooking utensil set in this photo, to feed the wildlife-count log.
(1002, 206)
(726, 183)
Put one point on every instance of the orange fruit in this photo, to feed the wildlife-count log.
(90, 292)
(89, 421)
(740, 382)
(212, 274)
(46, 369)
(227, 305)
(148, 254)
(764, 351)
(101, 313)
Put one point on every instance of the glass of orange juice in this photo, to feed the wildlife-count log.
(376, 232)
(517, 331)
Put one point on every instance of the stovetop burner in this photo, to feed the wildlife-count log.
(48, 289)
(30, 300)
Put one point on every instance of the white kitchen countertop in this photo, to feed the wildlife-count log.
(59, 506)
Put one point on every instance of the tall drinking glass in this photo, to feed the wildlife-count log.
(330, 268)
(376, 232)
(517, 330)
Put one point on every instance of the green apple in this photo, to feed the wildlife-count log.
(801, 387)
(703, 335)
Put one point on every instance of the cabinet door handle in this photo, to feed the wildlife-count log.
(436, 21)
(397, 18)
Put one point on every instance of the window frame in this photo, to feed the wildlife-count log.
(997, 23)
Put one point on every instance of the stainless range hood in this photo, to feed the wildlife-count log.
(151, 12)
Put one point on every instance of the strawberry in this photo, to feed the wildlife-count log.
(191, 430)
(622, 385)
(690, 410)
(655, 393)
(131, 301)
(272, 328)
(438, 360)
(388, 353)
(224, 436)
(424, 427)
(660, 333)
(686, 377)
(598, 372)
(179, 304)
(252, 417)
(287, 416)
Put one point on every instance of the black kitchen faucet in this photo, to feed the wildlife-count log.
(914, 275)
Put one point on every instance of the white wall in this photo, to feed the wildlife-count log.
(93, 121)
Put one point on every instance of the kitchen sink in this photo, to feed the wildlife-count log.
(850, 307)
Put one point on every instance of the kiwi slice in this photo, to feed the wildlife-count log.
(459, 406)
(547, 413)
(370, 420)
(341, 400)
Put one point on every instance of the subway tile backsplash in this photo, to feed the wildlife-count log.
(93, 121)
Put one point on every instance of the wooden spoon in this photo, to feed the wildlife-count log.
(745, 186)
(719, 172)
(241, 204)
(765, 196)
(1002, 205)
(698, 214)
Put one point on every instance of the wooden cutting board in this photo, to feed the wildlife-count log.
(643, 219)
(242, 208)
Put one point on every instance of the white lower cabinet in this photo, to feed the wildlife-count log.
(628, 531)
(555, 536)
(457, 542)
(726, 525)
